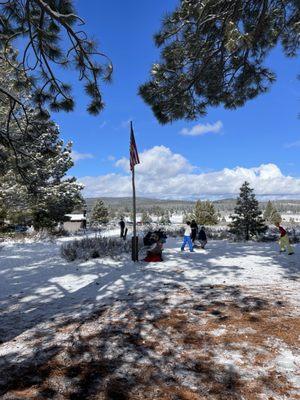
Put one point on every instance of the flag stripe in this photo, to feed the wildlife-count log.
(134, 156)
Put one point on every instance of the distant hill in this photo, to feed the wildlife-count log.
(143, 203)
(124, 204)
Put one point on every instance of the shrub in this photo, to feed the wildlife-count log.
(95, 247)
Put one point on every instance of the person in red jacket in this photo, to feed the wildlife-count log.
(154, 253)
(284, 241)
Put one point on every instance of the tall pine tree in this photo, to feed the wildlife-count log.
(247, 220)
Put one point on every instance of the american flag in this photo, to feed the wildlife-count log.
(134, 157)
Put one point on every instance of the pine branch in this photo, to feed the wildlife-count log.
(44, 27)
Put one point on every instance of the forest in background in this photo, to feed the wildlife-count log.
(124, 204)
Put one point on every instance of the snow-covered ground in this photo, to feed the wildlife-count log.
(231, 308)
(290, 217)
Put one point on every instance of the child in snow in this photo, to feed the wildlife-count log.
(284, 241)
(202, 237)
(187, 237)
(155, 251)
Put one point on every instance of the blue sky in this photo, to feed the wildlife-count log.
(266, 131)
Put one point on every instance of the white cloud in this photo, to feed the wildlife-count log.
(103, 124)
(157, 161)
(293, 144)
(163, 174)
(76, 156)
(202, 129)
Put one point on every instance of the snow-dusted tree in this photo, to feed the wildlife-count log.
(15, 200)
(165, 218)
(47, 194)
(214, 52)
(271, 214)
(268, 210)
(33, 162)
(204, 213)
(146, 219)
(247, 220)
(99, 213)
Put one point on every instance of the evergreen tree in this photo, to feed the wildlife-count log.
(268, 211)
(146, 219)
(165, 218)
(47, 196)
(247, 220)
(214, 52)
(271, 214)
(205, 213)
(33, 164)
(15, 199)
(99, 213)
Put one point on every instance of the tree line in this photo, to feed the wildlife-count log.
(247, 220)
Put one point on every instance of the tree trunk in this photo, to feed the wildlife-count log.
(247, 233)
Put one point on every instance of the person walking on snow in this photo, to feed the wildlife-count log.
(187, 237)
(284, 241)
(194, 228)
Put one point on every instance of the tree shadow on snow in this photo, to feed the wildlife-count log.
(141, 347)
(35, 288)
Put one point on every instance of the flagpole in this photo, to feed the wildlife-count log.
(134, 249)
(134, 238)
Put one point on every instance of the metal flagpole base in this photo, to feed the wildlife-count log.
(135, 248)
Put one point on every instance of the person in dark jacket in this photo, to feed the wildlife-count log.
(194, 228)
(122, 227)
(202, 237)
